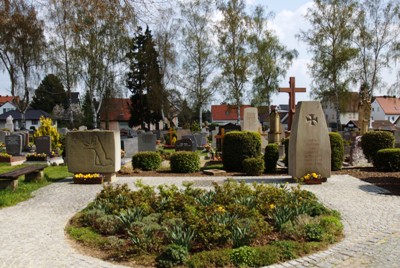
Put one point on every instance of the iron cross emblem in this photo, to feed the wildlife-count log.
(312, 119)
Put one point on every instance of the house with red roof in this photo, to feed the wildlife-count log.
(385, 108)
(7, 104)
(224, 113)
(116, 114)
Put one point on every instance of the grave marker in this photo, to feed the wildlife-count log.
(185, 144)
(147, 142)
(43, 145)
(130, 146)
(13, 144)
(309, 144)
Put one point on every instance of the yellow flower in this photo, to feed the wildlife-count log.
(307, 177)
(314, 175)
(220, 209)
(272, 206)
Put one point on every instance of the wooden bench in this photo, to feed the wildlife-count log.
(10, 179)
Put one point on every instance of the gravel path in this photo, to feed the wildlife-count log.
(32, 233)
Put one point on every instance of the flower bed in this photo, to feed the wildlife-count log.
(88, 178)
(200, 228)
(36, 157)
(312, 178)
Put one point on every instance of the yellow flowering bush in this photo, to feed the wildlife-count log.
(47, 129)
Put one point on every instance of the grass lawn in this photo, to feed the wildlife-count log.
(24, 191)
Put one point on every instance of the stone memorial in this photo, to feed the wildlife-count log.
(309, 144)
(147, 142)
(201, 138)
(130, 146)
(43, 145)
(182, 132)
(13, 145)
(213, 138)
(94, 152)
(3, 135)
(9, 124)
(82, 128)
(357, 157)
(192, 138)
(251, 123)
(222, 131)
(185, 144)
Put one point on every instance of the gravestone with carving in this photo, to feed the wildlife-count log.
(147, 142)
(13, 145)
(94, 152)
(192, 138)
(43, 145)
(309, 144)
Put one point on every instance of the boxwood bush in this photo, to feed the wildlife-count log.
(239, 145)
(372, 142)
(253, 166)
(271, 157)
(388, 159)
(337, 150)
(146, 161)
(185, 162)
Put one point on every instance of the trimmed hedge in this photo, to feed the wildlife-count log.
(146, 161)
(271, 157)
(388, 159)
(239, 145)
(372, 142)
(253, 166)
(185, 162)
(337, 150)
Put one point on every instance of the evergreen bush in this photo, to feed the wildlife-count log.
(388, 159)
(372, 142)
(146, 161)
(337, 150)
(239, 145)
(253, 166)
(185, 162)
(271, 157)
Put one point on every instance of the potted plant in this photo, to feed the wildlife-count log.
(311, 178)
(88, 178)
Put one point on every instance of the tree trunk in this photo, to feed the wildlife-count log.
(201, 116)
(338, 123)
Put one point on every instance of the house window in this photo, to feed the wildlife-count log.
(4, 110)
(392, 118)
(372, 118)
(373, 109)
(34, 122)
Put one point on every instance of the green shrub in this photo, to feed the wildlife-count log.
(286, 160)
(146, 161)
(239, 145)
(372, 142)
(253, 166)
(388, 159)
(337, 150)
(173, 255)
(314, 232)
(271, 157)
(243, 256)
(185, 162)
(212, 258)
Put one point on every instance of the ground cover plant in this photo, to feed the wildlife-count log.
(24, 191)
(234, 224)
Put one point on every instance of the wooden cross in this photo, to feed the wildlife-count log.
(221, 137)
(292, 100)
(171, 131)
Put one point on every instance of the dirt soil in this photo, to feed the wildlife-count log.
(387, 180)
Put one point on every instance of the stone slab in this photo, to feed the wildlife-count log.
(309, 144)
(214, 172)
(93, 151)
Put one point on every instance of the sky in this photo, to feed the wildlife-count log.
(287, 22)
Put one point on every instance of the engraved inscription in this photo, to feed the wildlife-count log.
(313, 156)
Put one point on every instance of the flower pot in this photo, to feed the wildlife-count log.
(88, 181)
(313, 181)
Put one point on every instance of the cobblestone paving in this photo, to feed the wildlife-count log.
(32, 233)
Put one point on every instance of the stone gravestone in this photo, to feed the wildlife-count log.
(193, 139)
(214, 140)
(9, 123)
(309, 144)
(357, 157)
(3, 135)
(63, 131)
(130, 146)
(94, 152)
(251, 123)
(25, 138)
(82, 128)
(13, 144)
(201, 138)
(185, 144)
(147, 142)
(43, 145)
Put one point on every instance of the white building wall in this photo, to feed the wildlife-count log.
(377, 112)
(6, 107)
